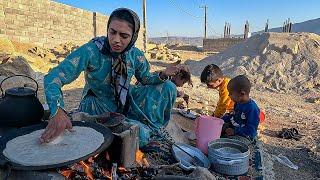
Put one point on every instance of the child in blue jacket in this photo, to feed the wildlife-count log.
(244, 120)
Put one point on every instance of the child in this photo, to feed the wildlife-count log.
(244, 120)
(179, 79)
(213, 77)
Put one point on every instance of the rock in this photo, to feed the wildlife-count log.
(176, 132)
(176, 54)
(54, 61)
(170, 57)
(16, 65)
(203, 174)
(161, 57)
(60, 59)
(183, 122)
(176, 58)
(153, 55)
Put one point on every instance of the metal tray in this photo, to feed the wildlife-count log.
(185, 160)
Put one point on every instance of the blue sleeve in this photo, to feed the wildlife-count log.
(226, 117)
(142, 71)
(66, 72)
(250, 128)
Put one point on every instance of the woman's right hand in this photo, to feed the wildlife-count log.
(56, 126)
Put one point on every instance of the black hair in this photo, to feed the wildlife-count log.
(239, 83)
(122, 15)
(211, 73)
(185, 75)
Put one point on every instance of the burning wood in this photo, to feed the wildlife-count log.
(87, 170)
(66, 173)
(141, 159)
(99, 167)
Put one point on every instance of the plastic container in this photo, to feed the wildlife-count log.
(262, 116)
(208, 128)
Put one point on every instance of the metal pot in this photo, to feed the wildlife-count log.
(229, 156)
(19, 106)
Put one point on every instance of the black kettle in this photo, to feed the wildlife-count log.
(19, 106)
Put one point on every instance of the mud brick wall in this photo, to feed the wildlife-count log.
(47, 23)
(218, 45)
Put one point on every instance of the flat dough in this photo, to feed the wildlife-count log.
(27, 150)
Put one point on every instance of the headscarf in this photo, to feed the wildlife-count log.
(119, 66)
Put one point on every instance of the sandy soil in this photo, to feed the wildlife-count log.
(283, 110)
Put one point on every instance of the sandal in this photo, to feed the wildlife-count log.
(290, 134)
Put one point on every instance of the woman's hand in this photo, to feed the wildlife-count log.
(186, 97)
(56, 126)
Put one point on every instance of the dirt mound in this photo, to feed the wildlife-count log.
(63, 50)
(40, 59)
(6, 46)
(16, 66)
(274, 61)
(161, 52)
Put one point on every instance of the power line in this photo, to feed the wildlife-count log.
(190, 14)
(211, 29)
(196, 17)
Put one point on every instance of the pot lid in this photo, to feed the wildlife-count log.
(20, 91)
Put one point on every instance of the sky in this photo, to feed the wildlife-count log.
(186, 18)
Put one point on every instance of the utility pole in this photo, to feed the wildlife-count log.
(144, 7)
(266, 29)
(205, 20)
(246, 30)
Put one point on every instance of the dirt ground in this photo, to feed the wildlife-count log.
(283, 110)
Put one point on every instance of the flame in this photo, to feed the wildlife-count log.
(141, 159)
(145, 162)
(66, 173)
(139, 156)
(107, 174)
(122, 169)
(90, 160)
(87, 170)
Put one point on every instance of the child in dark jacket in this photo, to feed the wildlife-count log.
(244, 120)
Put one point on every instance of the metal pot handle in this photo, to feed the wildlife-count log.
(230, 163)
(183, 165)
(2, 93)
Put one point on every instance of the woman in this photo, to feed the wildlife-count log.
(109, 64)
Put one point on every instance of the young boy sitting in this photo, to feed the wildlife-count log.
(244, 120)
(213, 77)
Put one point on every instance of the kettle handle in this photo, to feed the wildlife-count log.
(2, 93)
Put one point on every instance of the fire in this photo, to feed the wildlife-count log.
(87, 170)
(107, 174)
(66, 173)
(139, 156)
(141, 159)
(92, 169)
(122, 169)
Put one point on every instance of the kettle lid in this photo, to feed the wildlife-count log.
(20, 91)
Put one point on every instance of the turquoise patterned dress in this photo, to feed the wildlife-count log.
(150, 103)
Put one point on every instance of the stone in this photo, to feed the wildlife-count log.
(203, 174)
